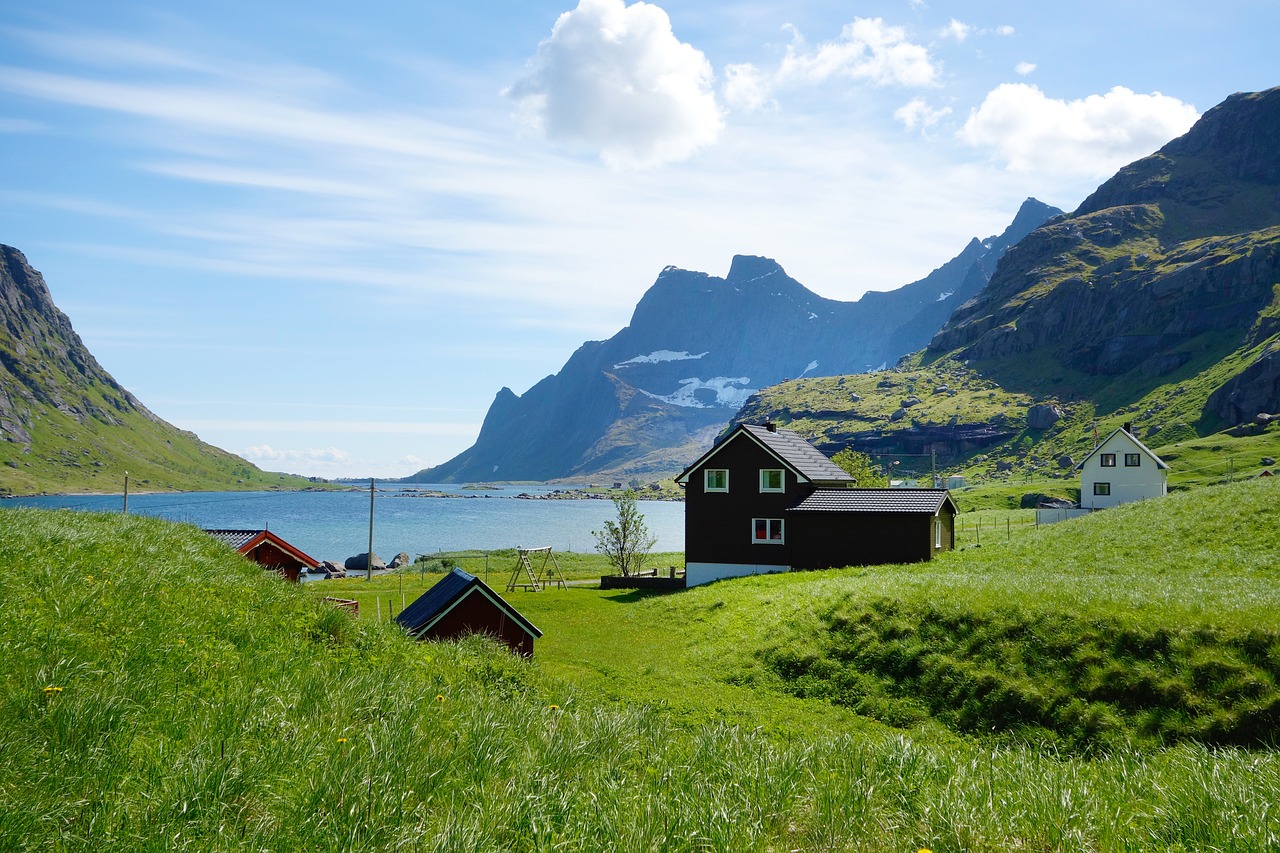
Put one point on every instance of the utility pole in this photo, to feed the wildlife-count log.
(125, 511)
(368, 563)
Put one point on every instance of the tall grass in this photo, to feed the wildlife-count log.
(159, 693)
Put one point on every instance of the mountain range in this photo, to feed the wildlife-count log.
(1156, 304)
(656, 394)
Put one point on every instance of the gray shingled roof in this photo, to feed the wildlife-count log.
(875, 500)
(235, 539)
(797, 452)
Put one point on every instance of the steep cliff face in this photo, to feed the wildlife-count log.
(1166, 272)
(66, 424)
(652, 397)
(43, 362)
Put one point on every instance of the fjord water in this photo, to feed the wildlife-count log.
(335, 525)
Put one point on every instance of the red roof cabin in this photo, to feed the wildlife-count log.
(462, 604)
(267, 550)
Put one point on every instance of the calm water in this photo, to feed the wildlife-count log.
(335, 525)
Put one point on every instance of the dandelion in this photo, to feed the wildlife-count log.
(51, 690)
(553, 707)
(439, 697)
(342, 740)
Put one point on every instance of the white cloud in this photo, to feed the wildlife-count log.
(747, 89)
(616, 78)
(1004, 30)
(1024, 68)
(267, 453)
(867, 49)
(956, 30)
(917, 113)
(1091, 136)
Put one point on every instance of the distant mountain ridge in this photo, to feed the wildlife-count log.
(653, 396)
(67, 425)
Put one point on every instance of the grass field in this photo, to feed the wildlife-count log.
(160, 693)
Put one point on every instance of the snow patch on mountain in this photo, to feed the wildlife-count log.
(718, 392)
(813, 365)
(945, 294)
(659, 356)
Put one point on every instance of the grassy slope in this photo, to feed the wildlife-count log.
(92, 456)
(823, 409)
(195, 702)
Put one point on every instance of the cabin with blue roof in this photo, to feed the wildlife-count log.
(462, 604)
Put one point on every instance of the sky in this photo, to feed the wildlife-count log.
(323, 235)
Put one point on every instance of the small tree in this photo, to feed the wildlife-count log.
(862, 469)
(626, 541)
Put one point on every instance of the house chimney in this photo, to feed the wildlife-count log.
(771, 426)
(1128, 427)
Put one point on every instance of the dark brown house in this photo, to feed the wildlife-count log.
(766, 500)
(462, 604)
(267, 550)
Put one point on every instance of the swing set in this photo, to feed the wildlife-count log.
(525, 577)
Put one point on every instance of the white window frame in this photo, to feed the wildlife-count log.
(937, 533)
(1105, 490)
(1107, 460)
(706, 480)
(769, 527)
(782, 480)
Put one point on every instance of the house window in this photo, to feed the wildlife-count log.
(1108, 460)
(1132, 460)
(771, 480)
(1102, 489)
(766, 530)
(937, 533)
(715, 480)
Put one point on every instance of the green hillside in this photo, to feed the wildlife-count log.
(67, 426)
(966, 424)
(161, 693)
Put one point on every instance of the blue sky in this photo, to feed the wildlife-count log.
(323, 235)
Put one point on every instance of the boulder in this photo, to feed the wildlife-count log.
(399, 560)
(908, 402)
(332, 570)
(1043, 416)
(898, 415)
(1065, 461)
(360, 563)
(1268, 460)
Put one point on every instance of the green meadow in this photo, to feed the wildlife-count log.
(1108, 683)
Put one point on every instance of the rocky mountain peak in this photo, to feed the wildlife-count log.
(749, 268)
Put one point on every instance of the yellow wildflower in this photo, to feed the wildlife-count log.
(439, 697)
(342, 740)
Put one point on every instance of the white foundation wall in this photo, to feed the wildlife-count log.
(696, 574)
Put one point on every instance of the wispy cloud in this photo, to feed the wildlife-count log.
(867, 50)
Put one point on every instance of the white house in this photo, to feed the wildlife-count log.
(1119, 470)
